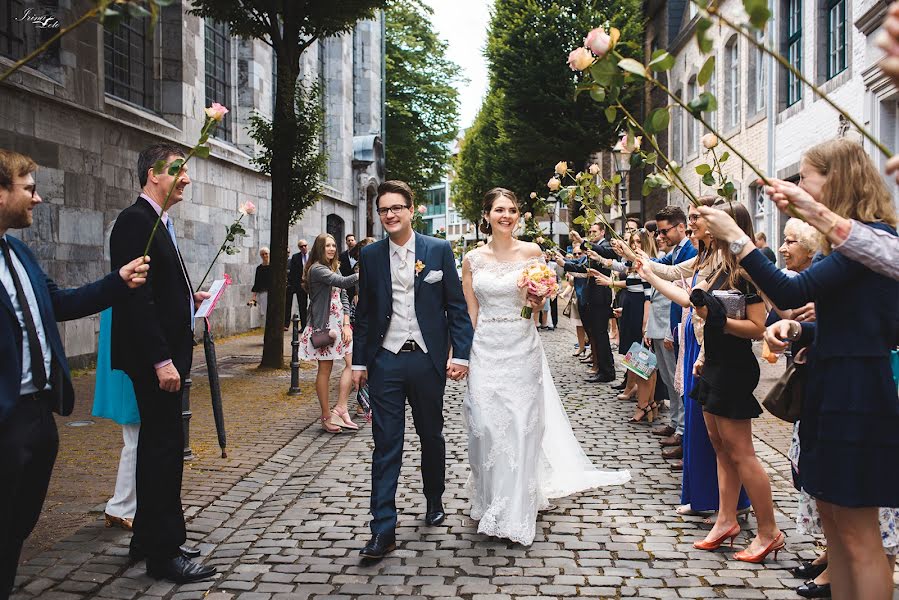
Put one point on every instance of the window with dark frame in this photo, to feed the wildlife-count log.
(128, 62)
(218, 72)
(836, 37)
(692, 124)
(794, 50)
(12, 31)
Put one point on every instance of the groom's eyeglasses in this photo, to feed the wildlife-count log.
(395, 209)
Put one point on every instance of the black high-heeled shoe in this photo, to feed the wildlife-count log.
(643, 414)
(810, 589)
(808, 570)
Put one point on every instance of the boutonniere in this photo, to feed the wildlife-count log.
(419, 267)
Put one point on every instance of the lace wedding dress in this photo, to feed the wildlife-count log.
(521, 448)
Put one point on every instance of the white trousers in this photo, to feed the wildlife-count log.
(123, 503)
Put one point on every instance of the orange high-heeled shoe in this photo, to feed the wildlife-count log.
(775, 546)
(732, 533)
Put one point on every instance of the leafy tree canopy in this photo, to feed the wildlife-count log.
(530, 118)
(422, 100)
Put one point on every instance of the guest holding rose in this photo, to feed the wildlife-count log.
(262, 283)
(850, 410)
(329, 312)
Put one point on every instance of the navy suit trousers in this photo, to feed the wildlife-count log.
(394, 378)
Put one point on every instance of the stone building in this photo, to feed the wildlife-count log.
(87, 107)
(767, 113)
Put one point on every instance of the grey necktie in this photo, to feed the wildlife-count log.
(402, 267)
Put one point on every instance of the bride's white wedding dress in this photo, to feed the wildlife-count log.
(521, 447)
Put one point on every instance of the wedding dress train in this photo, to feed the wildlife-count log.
(521, 448)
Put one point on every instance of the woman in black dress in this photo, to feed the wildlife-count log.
(727, 373)
(850, 412)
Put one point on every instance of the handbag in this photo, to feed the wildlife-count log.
(640, 360)
(784, 400)
(734, 303)
(322, 337)
(566, 312)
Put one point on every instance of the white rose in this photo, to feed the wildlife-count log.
(553, 184)
(709, 141)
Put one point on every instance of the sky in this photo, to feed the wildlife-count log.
(463, 25)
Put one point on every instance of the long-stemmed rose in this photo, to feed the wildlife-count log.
(231, 233)
(214, 116)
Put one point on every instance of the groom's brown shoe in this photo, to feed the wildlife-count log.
(435, 515)
(380, 545)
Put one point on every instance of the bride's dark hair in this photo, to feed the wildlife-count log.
(491, 197)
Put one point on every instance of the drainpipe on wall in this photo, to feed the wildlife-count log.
(771, 210)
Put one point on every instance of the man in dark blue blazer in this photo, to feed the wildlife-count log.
(34, 374)
(412, 332)
(672, 224)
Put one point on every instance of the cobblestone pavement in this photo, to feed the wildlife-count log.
(291, 528)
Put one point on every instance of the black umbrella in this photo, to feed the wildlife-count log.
(214, 387)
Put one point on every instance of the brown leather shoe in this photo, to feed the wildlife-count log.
(673, 452)
(111, 521)
(672, 440)
(665, 430)
(676, 465)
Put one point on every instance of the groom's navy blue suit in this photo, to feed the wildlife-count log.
(443, 319)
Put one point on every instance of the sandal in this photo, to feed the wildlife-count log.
(328, 426)
(342, 419)
(644, 412)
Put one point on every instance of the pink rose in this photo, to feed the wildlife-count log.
(580, 59)
(247, 208)
(422, 209)
(216, 112)
(598, 41)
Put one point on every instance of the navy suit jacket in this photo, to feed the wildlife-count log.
(440, 307)
(856, 309)
(55, 304)
(687, 252)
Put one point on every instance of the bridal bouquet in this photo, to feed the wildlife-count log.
(539, 280)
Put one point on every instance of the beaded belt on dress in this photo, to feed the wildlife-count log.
(500, 319)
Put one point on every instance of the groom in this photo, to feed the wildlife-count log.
(411, 313)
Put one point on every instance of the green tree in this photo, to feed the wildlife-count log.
(309, 160)
(422, 101)
(535, 121)
(479, 159)
(289, 27)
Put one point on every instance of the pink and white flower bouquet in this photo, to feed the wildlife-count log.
(539, 280)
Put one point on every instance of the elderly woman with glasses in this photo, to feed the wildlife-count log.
(262, 283)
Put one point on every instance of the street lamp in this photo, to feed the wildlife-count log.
(623, 166)
(551, 202)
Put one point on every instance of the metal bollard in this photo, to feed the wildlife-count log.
(185, 418)
(295, 358)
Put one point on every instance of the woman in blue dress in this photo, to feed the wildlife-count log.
(114, 399)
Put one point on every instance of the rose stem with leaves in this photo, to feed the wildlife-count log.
(228, 238)
(686, 190)
(204, 135)
(796, 73)
(644, 73)
(599, 213)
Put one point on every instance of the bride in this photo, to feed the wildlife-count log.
(520, 444)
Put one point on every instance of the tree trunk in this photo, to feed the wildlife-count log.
(284, 128)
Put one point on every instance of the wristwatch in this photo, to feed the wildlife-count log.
(737, 245)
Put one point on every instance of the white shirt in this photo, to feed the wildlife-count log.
(26, 387)
(404, 322)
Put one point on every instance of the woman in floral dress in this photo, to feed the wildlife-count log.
(329, 310)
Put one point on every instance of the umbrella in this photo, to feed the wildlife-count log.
(214, 386)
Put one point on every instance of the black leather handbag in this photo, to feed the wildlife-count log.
(784, 400)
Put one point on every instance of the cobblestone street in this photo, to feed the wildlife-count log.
(291, 528)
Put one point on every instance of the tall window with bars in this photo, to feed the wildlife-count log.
(218, 72)
(676, 131)
(793, 42)
(128, 62)
(12, 31)
(836, 37)
(732, 82)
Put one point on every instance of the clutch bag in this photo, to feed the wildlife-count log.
(734, 303)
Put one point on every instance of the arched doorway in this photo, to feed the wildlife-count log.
(334, 226)
(370, 194)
